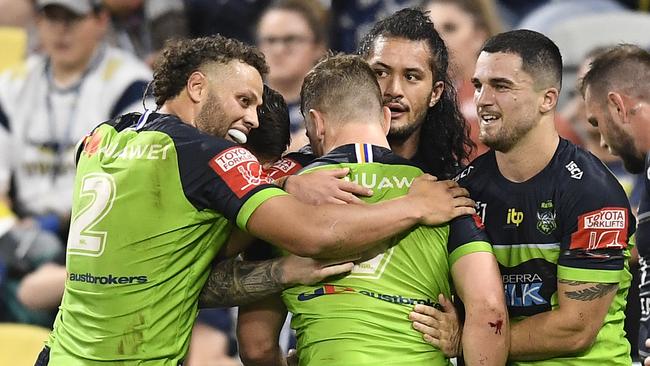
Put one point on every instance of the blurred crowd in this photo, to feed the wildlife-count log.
(67, 65)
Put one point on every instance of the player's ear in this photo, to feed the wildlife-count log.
(616, 107)
(196, 86)
(319, 124)
(385, 123)
(438, 88)
(549, 100)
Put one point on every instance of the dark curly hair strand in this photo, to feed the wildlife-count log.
(180, 58)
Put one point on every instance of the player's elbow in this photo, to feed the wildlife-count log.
(491, 305)
(259, 353)
(581, 338)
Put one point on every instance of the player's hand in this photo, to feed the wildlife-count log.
(325, 186)
(307, 271)
(441, 201)
(646, 362)
(439, 328)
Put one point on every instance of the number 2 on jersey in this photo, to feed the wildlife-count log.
(99, 188)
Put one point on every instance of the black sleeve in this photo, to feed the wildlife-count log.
(595, 221)
(217, 174)
(465, 229)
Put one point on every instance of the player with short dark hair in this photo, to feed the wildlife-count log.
(558, 219)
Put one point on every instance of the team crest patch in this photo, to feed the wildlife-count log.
(546, 218)
(240, 170)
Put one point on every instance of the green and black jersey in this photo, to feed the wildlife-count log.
(154, 200)
(362, 318)
(571, 221)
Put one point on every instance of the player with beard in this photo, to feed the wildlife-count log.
(617, 103)
(426, 124)
(155, 199)
(558, 219)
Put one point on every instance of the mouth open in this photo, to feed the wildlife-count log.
(489, 118)
(396, 110)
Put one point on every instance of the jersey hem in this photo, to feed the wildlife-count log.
(589, 275)
(469, 248)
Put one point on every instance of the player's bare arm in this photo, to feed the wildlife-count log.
(335, 231)
(326, 187)
(570, 328)
(486, 332)
(236, 282)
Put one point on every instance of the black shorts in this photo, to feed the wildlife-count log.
(644, 297)
(43, 357)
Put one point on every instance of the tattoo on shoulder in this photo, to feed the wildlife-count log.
(235, 282)
(595, 291)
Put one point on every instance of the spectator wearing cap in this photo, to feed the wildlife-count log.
(51, 101)
(47, 104)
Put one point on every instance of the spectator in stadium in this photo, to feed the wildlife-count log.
(292, 35)
(140, 275)
(617, 103)
(558, 219)
(141, 27)
(46, 105)
(50, 102)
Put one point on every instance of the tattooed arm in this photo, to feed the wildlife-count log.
(235, 282)
(570, 328)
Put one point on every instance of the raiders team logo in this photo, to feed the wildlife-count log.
(546, 218)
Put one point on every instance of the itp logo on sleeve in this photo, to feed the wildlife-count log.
(240, 170)
(601, 229)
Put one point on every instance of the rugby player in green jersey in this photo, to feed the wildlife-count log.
(362, 318)
(426, 125)
(558, 219)
(156, 197)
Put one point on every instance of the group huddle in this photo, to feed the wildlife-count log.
(387, 245)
